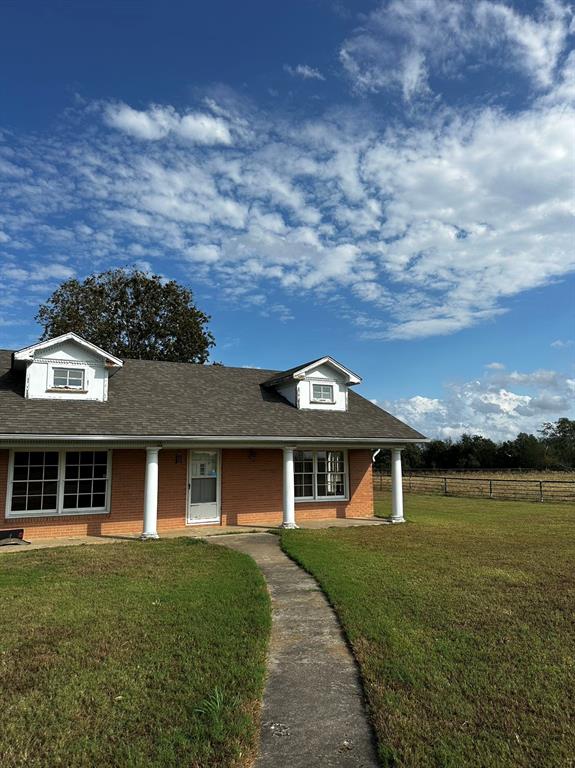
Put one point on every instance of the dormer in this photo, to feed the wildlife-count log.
(321, 385)
(66, 368)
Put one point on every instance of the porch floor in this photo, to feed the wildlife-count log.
(193, 531)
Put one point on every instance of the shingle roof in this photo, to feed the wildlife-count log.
(180, 399)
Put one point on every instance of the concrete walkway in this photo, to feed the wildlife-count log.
(313, 712)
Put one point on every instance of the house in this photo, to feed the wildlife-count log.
(91, 444)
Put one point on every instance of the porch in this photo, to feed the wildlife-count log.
(195, 531)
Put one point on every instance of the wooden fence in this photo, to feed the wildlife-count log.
(484, 487)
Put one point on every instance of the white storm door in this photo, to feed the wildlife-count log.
(203, 501)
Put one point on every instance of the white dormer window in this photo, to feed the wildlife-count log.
(67, 367)
(322, 393)
(68, 378)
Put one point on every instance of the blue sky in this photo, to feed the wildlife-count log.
(388, 182)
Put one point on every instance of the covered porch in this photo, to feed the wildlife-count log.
(291, 457)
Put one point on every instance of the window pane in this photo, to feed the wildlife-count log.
(20, 473)
(36, 473)
(19, 489)
(51, 472)
(203, 490)
(48, 502)
(18, 503)
(70, 502)
(34, 504)
(72, 471)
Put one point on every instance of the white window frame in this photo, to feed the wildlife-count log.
(324, 400)
(67, 387)
(59, 511)
(315, 497)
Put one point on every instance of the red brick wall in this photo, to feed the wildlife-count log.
(251, 492)
(127, 500)
(252, 489)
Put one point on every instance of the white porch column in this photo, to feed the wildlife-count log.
(396, 487)
(151, 495)
(289, 503)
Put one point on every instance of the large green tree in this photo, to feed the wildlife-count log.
(130, 314)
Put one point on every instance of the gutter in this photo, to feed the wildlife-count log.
(208, 439)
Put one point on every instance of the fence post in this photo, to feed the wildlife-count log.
(491, 489)
(410, 482)
(541, 490)
(445, 486)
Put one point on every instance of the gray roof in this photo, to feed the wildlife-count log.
(149, 398)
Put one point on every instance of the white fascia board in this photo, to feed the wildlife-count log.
(28, 352)
(231, 440)
(352, 378)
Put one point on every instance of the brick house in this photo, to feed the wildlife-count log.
(91, 444)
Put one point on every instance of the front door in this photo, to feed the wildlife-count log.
(203, 506)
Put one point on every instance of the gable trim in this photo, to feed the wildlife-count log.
(27, 353)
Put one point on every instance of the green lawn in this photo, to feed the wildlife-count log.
(462, 621)
(131, 654)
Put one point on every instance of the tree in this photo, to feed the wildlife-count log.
(130, 314)
(559, 437)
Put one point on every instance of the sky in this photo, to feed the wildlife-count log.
(389, 183)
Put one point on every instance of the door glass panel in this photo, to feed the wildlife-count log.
(203, 490)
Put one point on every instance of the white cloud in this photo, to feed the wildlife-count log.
(158, 122)
(417, 230)
(495, 366)
(304, 71)
(562, 343)
(400, 44)
(490, 406)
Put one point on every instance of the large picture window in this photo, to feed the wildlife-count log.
(319, 475)
(58, 482)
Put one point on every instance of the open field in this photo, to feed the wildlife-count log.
(131, 655)
(528, 486)
(463, 624)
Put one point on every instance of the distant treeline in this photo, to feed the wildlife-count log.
(553, 448)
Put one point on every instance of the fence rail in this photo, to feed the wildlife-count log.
(484, 487)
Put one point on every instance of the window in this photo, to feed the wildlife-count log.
(58, 482)
(322, 393)
(319, 475)
(85, 480)
(35, 481)
(68, 378)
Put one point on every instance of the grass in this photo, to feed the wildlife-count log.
(462, 622)
(131, 654)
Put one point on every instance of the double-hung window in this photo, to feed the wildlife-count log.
(322, 393)
(320, 475)
(68, 378)
(58, 483)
